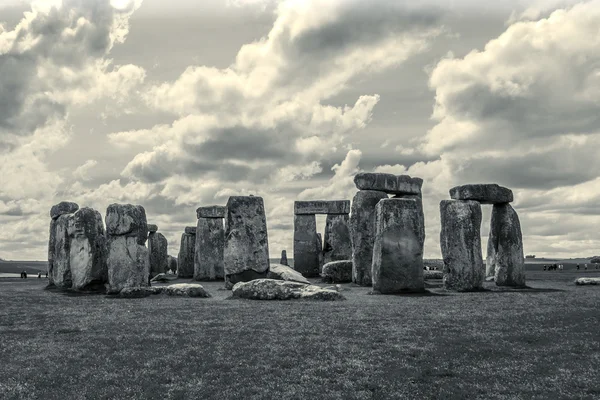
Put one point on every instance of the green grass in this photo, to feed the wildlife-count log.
(502, 344)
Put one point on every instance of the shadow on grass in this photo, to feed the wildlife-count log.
(424, 293)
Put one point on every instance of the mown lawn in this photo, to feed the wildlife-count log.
(542, 343)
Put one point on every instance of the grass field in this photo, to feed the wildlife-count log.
(542, 343)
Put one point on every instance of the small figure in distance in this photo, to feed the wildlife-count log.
(40, 275)
(544, 267)
(577, 267)
(585, 267)
(24, 274)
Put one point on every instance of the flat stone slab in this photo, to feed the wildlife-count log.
(489, 193)
(185, 290)
(282, 272)
(64, 207)
(433, 274)
(322, 207)
(190, 230)
(337, 271)
(587, 281)
(152, 228)
(211, 212)
(139, 292)
(388, 183)
(270, 289)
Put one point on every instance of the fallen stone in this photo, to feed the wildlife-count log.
(61, 265)
(306, 248)
(587, 281)
(362, 230)
(460, 241)
(127, 220)
(270, 289)
(483, 193)
(185, 260)
(337, 245)
(246, 254)
(283, 260)
(185, 290)
(137, 292)
(152, 228)
(209, 250)
(388, 183)
(284, 273)
(64, 207)
(211, 212)
(337, 271)
(398, 248)
(433, 274)
(505, 254)
(88, 250)
(321, 207)
(128, 263)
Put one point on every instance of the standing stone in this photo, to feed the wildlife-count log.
(173, 264)
(362, 229)
(283, 260)
(337, 245)
(506, 250)
(158, 249)
(185, 261)
(210, 247)
(163, 246)
(88, 251)
(398, 249)
(319, 247)
(62, 208)
(246, 240)
(306, 249)
(128, 258)
(460, 241)
(61, 265)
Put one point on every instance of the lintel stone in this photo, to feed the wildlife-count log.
(322, 207)
(211, 212)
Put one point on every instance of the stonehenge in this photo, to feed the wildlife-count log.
(185, 259)
(461, 250)
(158, 250)
(210, 244)
(308, 256)
(59, 270)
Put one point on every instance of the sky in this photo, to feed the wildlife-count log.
(180, 104)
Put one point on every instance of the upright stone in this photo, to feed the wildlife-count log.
(173, 264)
(319, 247)
(185, 261)
(210, 247)
(506, 249)
(127, 220)
(61, 266)
(362, 229)
(246, 240)
(158, 247)
(460, 241)
(89, 252)
(337, 245)
(398, 249)
(306, 249)
(283, 260)
(62, 208)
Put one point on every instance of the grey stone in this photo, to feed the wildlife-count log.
(127, 220)
(88, 250)
(283, 260)
(270, 289)
(388, 183)
(128, 263)
(185, 261)
(64, 207)
(137, 292)
(173, 264)
(284, 273)
(337, 271)
(306, 249)
(460, 241)
(163, 278)
(506, 251)
(210, 247)
(246, 240)
(51, 245)
(152, 228)
(362, 230)
(398, 249)
(484, 193)
(587, 281)
(185, 290)
(321, 207)
(190, 230)
(211, 212)
(61, 265)
(337, 244)
(433, 274)
(159, 257)
(319, 247)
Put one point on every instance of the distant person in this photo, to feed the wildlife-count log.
(585, 267)
(46, 274)
(560, 267)
(577, 267)
(39, 275)
(545, 267)
(24, 274)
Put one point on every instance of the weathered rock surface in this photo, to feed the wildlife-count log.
(460, 241)
(88, 250)
(138, 292)
(284, 273)
(64, 207)
(319, 246)
(173, 264)
(362, 230)
(209, 252)
(211, 212)
(505, 253)
(270, 289)
(321, 207)
(152, 228)
(154, 254)
(190, 230)
(246, 240)
(283, 260)
(337, 271)
(163, 278)
(185, 260)
(433, 274)
(388, 183)
(185, 290)
(398, 249)
(61, 265)
(128, 263)
(338, 244)
(306, 246)
(587, 281)
(127, 220)
(484, 193)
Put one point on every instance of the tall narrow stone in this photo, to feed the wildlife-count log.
(319, 247)
(61, 264)
(506, 250)
(362, 229)
(210, 247)
(246, 240)
(398, 249)
(337, 245)
(185, 260)
(62, 208)
(306, 250)
(283, 260)
(460, 241)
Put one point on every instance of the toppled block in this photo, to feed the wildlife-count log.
(282, 272)
(337, 271)
(270, 289)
